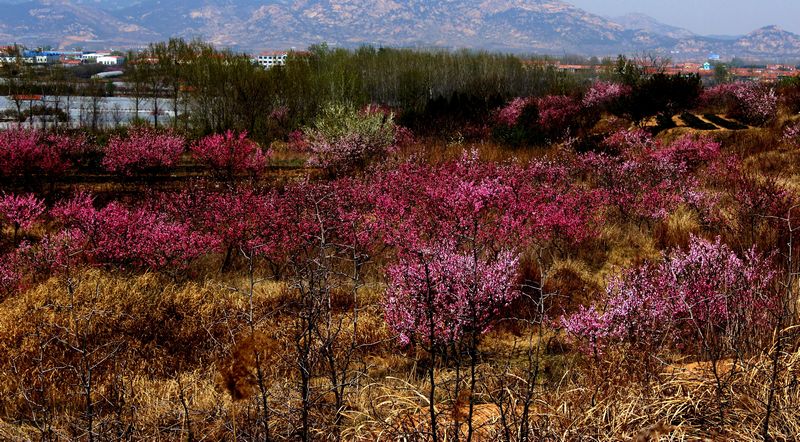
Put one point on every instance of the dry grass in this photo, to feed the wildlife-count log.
(681, 405)
(626, 246)
(676, 230)
(185, 366)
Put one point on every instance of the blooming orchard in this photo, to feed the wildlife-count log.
(449, 235)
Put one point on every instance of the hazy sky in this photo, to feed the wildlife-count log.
(706, 16)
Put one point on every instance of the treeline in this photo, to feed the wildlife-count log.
(430, 90)
(200, 90)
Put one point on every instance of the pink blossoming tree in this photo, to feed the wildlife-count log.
(28, 152)
(509, 114)
(138, 238)
(695, 299)
(750, 102)
(444, 300)
(791, 135)
(440, 296)
(11, 271)
(559, 115)
(20, 211)
(757, 103)
(230, 154)
(647, 178)
(344, 139)
(603, 93)
(262, 225)
(143, 150)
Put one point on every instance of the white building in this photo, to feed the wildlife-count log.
(91, 57)
(270, 59)
(111, 60)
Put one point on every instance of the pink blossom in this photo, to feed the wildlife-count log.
(27, 152)
(647, 178)
(791, 135)
(136, 237)
(228, 154)
(721, 96)
(10, 273)
(557, 113)
(441, 296)
(602, 93)
(627, 139)
(510, 113)
(297, 141)
(706, 288)
(689, 151)
(752, 102)
(496, 206)
(21, 211)
(141, 150)
(60, 251)
(265, 224)
(758, 102)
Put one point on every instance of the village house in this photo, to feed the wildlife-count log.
(271, 59)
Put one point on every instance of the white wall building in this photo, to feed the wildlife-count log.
(91, 57)
(111, 60)
(270, 59)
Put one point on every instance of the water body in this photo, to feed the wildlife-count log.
(108, 111)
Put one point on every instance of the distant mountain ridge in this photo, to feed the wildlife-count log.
(529, 26)
(643, 22)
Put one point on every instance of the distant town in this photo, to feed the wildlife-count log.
(17, 54)
(11, 54)
(712, 67)
(707, 69)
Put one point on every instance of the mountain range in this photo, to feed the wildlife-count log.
(526, 26)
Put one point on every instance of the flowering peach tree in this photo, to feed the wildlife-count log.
(706, 291)
(230, 154)
(440, 296)
(143, 150)
(20, 211)
(30, 152)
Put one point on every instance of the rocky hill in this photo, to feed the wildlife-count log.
(63, 23)
(643, 22)
(532, 26)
